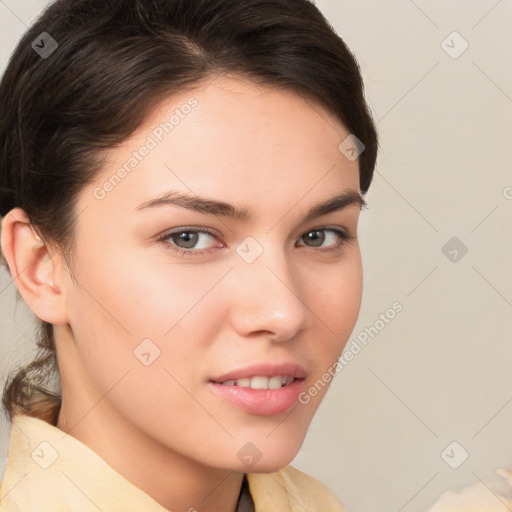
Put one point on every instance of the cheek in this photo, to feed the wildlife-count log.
(336, 311)
(339, 297)
(142, 336)
(137, 297)
(135, 309)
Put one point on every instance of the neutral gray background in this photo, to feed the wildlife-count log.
(440, 371)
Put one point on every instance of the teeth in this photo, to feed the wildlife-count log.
(274, 382)
(261, 382)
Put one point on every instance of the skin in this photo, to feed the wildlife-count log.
(268, 150)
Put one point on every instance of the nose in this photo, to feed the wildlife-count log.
(268, 296)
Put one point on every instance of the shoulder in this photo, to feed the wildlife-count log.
(491, 495)
(293, 490)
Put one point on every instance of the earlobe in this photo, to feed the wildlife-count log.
(33, 267)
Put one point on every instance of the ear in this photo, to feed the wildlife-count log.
(36, 268)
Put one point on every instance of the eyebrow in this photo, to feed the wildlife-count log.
(214, 207)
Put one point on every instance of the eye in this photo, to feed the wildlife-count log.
(318, 236)
(184, 241)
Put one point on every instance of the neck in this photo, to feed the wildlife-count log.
(172, 480)
(176, 482)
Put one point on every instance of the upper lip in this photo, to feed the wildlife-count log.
(287, 368)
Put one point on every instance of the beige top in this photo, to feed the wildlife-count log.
(47, 472)
(489, 495)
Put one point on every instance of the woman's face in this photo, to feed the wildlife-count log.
(161, 309)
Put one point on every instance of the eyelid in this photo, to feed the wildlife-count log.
(214, 233)
(181, 229)
(342, 233)
(184, 229)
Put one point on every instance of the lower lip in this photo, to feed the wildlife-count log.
(263, 402)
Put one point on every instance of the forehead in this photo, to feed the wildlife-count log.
(232, 139)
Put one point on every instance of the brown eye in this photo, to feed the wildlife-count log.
(187, 238)
(184, 240)
(317, 237)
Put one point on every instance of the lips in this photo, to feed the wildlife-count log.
(284, 369)
(260, 402)
(266, 398)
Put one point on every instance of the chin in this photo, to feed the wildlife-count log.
(268, 466)
(269, 458)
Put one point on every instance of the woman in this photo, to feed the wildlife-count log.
(181, 184)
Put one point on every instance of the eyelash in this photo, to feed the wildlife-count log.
(343, 237)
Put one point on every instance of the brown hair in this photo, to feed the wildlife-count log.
(113, 61)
